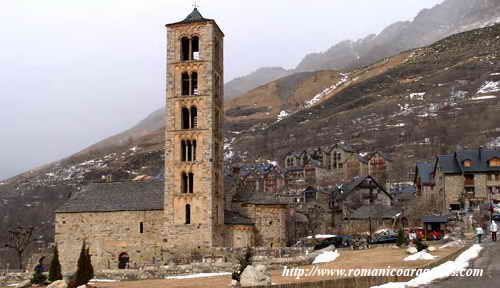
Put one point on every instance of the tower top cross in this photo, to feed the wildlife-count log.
(195, 4)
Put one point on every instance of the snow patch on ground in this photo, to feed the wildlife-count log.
(199, 275)
(417, 96)
(283, 114)
(325, 257)
(317, 236)
(228, 148)
(442, 271)
(489, 87)
(327, 91)
(422, 255)
(483, 97)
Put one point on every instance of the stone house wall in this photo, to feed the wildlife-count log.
(270, 224)
(239, 236)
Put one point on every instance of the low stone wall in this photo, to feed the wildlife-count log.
(220, 260)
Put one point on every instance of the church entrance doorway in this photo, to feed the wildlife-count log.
(123, 260)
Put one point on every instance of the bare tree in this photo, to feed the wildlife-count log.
(19, 240)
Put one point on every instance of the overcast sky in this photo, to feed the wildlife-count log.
(75, 72)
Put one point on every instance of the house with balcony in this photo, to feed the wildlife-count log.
(467, 178)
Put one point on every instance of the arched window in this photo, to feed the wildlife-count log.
(184, 183)
(141, 227)
(185, 118)
(188, 214)
(194, 117)
(183, 151)
(191, 183)
(188, 150)
(194, 150)
(185, 84)
(185, 49)
(195, 46)
(194, 83)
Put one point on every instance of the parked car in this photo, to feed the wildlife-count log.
(338, 241)
(384, 239)
(496, 217)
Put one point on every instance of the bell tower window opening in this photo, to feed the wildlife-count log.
(185, 49)
(194, 117)
(194, 150)
(195, 46)
(185, 84)
(188, 150)
(184, 183)
(185, 118)
(183, 151)
(188, 214)
(191, 183)
(194, 83)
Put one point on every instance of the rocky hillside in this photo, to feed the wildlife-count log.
(430, 25)
(415, 105)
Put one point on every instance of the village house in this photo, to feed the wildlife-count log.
(423, 180)
(467, 178)
(361, 199)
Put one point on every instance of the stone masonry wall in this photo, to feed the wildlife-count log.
(207, 199)
(108, 235)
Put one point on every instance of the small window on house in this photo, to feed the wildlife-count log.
(188, 214)
(467, 163)
(141, 227)
(184, 49)
(495, 162)
(195, 46)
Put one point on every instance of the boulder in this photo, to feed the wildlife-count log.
(58, 284)
(255, 276)
(24, 284)
(411, 250)
(431, 249)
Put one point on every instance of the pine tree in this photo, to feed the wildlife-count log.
(89, 265)
(85, 271)
(55, 267)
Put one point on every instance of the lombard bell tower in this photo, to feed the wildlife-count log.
(194, 191)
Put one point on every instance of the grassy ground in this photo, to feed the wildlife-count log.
(372, 258)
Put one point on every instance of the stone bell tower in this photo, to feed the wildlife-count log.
(194, 191)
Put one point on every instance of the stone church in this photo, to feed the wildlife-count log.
(132, 224)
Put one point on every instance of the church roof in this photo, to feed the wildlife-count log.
(235, 218)
(114, 197)
(195, 16)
